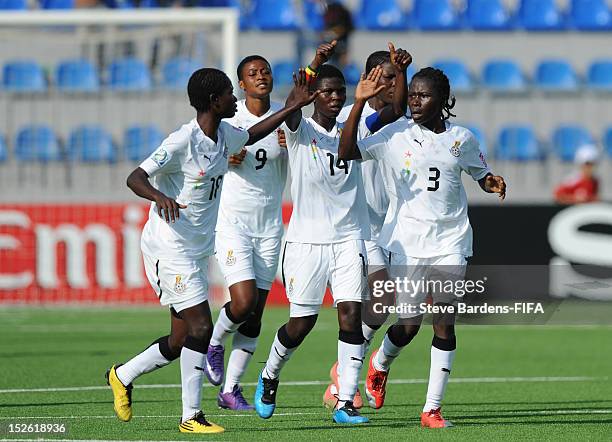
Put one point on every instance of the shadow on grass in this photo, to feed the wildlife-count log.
(55, 404)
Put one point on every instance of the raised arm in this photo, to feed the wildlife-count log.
(138, 182)
(366, 89)
(400, 59)
(299, 97)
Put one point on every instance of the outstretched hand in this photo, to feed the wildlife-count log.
(324, 53)
(300, 95)
(400, 58)
(496, 184)
(368, 85)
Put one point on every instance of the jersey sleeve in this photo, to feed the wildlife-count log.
(374, 147)
(293, 137)
(472, 160)
(235, 138)
(166, 158)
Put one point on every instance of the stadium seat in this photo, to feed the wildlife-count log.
(600, 75)
(352, 74)
(282, 72)
(518, 143)
(37, 143)
(381, 15)
(607, 141)
(275, 15)
(457, 73)
(488, 15)
(176, 72)
(567, 139)
(556, 75)
(91, 144)
(480, 137)
(129, 74)
(57, 4)
(591, 15)
(541, 15)
(13, 4)
(140, 141)
(244, 8)
(313, 14)
(3, 149)
(77, 76)
(435, 15)
(503, 76)
(23, 76)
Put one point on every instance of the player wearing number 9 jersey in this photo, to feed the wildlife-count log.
(426, 224)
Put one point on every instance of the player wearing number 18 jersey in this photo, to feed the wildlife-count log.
(426, 224)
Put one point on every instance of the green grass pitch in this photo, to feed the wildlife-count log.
(510, 383)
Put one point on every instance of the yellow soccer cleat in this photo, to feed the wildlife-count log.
(122, 395)
(199, 424)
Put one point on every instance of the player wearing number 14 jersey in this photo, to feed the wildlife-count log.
(427, 234)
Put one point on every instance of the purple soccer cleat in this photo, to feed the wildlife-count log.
(215, 359)
(233, 400)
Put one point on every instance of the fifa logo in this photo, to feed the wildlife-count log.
(231, 259)
(179, 285)
(455, 149)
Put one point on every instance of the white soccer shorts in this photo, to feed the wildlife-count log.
(309, 268)
(431, 276)
(179, 283)
(243, 258)
(376, 257)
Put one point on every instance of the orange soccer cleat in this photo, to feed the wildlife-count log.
(333, 374)
(376, 385)
(434, 419)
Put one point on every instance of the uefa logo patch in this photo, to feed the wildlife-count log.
(455, 149)
(160, 157)
(179, 285)
(231, 259)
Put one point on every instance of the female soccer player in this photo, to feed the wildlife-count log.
(187, 172)
(427, 223)
(249, 230)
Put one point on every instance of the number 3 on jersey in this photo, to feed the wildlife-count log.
(434, 178)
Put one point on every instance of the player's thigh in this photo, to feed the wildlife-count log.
(305, 271)
(446, 277)
(409, 275)
(266, 253)
(348, 275)
(234, 253)
(376, 257)
(178, 282)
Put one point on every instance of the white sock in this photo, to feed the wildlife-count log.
(368, 335)
(439, 371)
(192, 372)
(387, 353)
(223, 328)
(145, 362)
(243, 348)
(350, 360)
(279, 355)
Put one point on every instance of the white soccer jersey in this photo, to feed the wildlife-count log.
(427, 215)
(377, 197)
(253, 191)
(328, 198)
(189, 167)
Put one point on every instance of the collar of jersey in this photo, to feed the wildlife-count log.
(321, 130)
(425, 130)
(198, 134)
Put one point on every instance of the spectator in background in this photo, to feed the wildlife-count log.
(338, 25)
(583, 186)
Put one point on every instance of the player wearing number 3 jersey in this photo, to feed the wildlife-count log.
(426, 234)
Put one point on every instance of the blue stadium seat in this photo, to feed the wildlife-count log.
(591, 15)
(541, 15)
(352, 74)
(91, 144)
(13, 4)
(3, 149)
(489, 15)
(275, 15)
(600, 75)
(503, 76)
(566, 139)
(282, 71)
(57, 4)
(176, 72)
(435, 15)
(37, 143)
(242, 7)
(77, 76)
(479, 135)
(23, 76)
(313, 14)
(607, 141)
(457, 73)
(381, 15)
(556, 75)
(140, 141)
(129, 74)
(518, 143)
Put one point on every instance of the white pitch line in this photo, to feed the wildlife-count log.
(482, 380)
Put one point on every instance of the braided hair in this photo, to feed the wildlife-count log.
(377, 58)
(203, 83)
(441, 84)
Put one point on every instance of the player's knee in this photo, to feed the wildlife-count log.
(201, 329)
(349, 316)
(169, 348)
(402, 334)
(446, 344)
(298, 328)
(241, 309)
(250, 329)
(444, 331)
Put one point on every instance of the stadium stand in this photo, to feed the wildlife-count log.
(436, 15)
(3, 149)
(541, 15)
(23, 76)
(283, 70)
(489, 15)
(274, 15)
(591, 15)
(556, 76)
(518, 143)
(482, 141)
(140, 141)
(91, 144)
(176, 72)
(600, 75)
(57, 4)
(77, 76)
(381, 15)
(13, 4)
(566, 139)
(607, 141)
(129, 75)
(37, 143)
(457, 73)
(503, 76)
